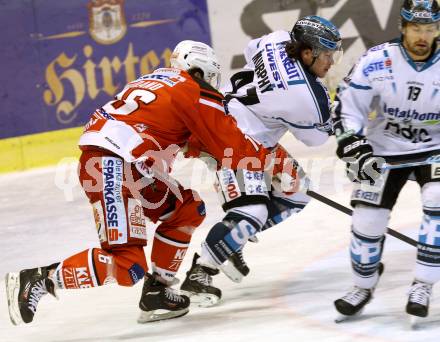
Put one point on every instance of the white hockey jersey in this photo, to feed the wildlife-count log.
(404, 95)
(274, 94)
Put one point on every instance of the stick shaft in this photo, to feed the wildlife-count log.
(348, 211)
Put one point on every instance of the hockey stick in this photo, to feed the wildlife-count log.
(348, 211)
(417, 162)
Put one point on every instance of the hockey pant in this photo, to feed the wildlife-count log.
(122, 207)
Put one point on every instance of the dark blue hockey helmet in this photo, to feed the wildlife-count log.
(318, 33)
(420, 11)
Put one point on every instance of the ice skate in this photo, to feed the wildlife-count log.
(352, 304)
(24, 290)
(235, 268)
(198, 285)
(418, 302)
(159, 302)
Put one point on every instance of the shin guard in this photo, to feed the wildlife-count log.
(95, 267)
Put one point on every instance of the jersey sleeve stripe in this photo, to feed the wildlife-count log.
(211, 96)
(170, 241)
(317, 93)
(358, 86)
(212, 104)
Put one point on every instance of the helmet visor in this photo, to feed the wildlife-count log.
(330, 49)
(333, 57)
(337, 56)
(329, 44)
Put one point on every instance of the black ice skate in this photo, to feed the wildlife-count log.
(198, 285)
(159, 302)
(354, 301)
(24, 290)
(235, 268)
(418, 299)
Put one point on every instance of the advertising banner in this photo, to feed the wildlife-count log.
(62, 59)
(362, 24)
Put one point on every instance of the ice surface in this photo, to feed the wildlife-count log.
(297, 270)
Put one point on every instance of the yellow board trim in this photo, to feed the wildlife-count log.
(37, 150)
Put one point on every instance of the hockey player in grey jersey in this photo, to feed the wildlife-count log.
(278, 91)
(400, 80)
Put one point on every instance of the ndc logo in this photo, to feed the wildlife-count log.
(414, 134)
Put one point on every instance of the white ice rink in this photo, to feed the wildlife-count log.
(297, 270)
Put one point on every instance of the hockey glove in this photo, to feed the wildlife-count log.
(285, 173)
(195, 149)
(356, 151)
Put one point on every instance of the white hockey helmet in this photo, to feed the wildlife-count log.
(189, 54)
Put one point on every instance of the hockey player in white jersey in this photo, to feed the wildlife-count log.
(278, 91)
(400, 80)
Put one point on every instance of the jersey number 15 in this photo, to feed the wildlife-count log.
(129, 101)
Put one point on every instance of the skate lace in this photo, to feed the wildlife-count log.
(357, 295)
(201, 277)
(419, 293)
(173, 296)
(240, 256)
(37, 291)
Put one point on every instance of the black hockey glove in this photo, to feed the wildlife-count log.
(358, 154)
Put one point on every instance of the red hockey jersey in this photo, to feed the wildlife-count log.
(160, 111)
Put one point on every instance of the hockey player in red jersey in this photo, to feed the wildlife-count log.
(128, 147)
(278, 91)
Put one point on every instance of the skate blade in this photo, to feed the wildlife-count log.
(202, 300)
(160, 315)
(231, 272)
(415, 321)
(12, 282)
(345, 318)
